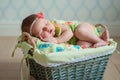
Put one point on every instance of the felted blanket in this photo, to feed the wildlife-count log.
(49, 54)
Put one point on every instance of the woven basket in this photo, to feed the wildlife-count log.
(91, 69)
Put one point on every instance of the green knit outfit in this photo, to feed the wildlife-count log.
(73, 27)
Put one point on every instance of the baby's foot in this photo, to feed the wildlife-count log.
(84, 44)
(99, 44)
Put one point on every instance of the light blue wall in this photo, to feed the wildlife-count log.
(95, 11)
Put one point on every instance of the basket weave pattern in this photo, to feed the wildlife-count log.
(92, 69)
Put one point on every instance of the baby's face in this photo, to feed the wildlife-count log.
(43, 29)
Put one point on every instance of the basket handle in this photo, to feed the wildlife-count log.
(29, 39)
(103, 26)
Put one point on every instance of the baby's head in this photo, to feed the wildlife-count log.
(38, 26)
(29, 22)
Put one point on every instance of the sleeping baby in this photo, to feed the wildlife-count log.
(83, 34)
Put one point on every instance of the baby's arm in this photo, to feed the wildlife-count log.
(66, 34)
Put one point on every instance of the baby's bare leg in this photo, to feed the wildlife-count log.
(85, 32)
(105, 36)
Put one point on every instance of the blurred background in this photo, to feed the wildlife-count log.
(12, 12)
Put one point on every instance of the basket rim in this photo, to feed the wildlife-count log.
(76, 60)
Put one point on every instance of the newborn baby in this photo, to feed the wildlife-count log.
(83, 34)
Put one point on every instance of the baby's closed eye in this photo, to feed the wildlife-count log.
(45, 29)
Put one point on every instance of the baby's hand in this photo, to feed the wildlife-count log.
(50, 39)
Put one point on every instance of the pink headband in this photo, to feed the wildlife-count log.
(39, 16)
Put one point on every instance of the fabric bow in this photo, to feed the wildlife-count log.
(40, 15)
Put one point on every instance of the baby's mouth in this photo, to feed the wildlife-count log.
(52, 32)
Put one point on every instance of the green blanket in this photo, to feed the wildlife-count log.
(47, 53)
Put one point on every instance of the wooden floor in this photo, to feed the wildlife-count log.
(10, 67)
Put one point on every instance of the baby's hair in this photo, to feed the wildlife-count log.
(26, 24)
(29, 21)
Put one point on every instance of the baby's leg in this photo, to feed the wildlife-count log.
(105, 34)
(85, 32)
